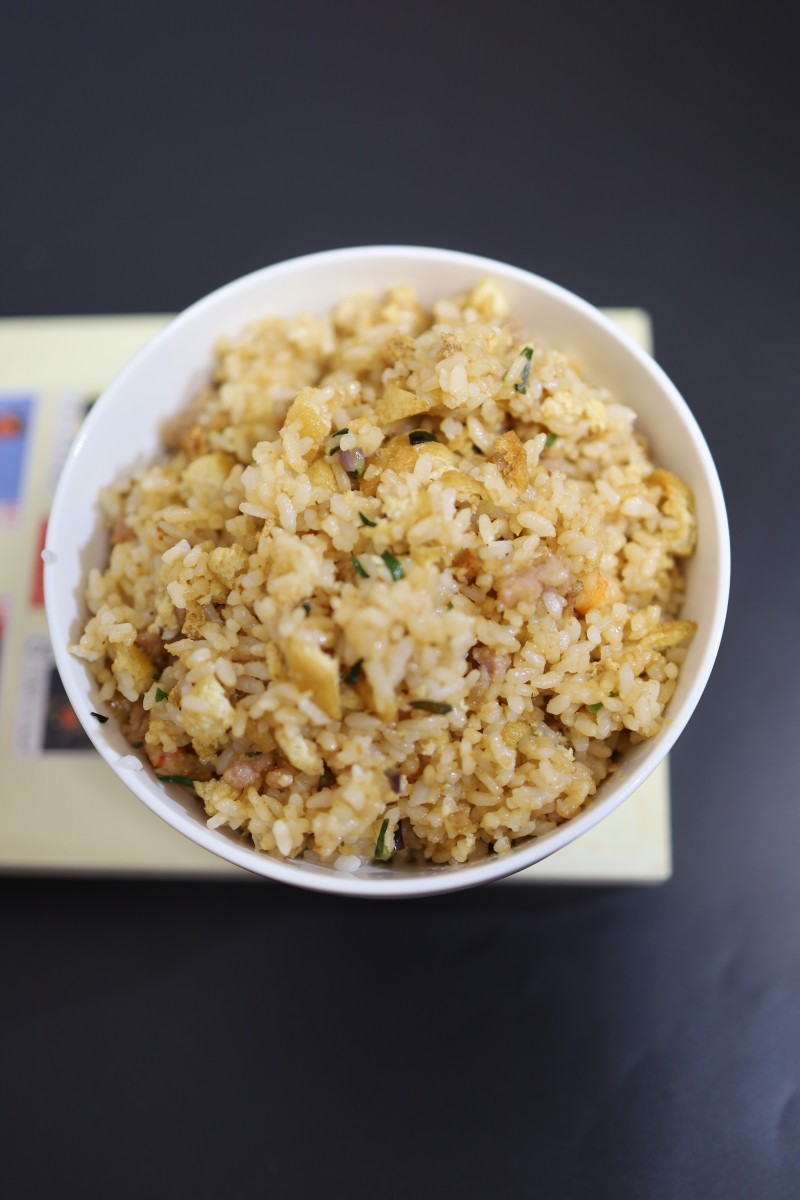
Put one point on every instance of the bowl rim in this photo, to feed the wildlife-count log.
(430, 879)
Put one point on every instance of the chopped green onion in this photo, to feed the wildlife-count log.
(395, 569)
(613, 695)
(333, 442)
(522, 386)
(421, 435)
(432, 706)
(595, 707)
(366, 521)
(382, 852)
(354, 674)
(160, 695)
(520, 368)
(183, 780)
(478, 450)
(359, 570)
(327, 778)
(550, 440)
(100, 718)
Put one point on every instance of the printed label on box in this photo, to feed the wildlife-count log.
(46, 721)
(16, 419)
(36, 595)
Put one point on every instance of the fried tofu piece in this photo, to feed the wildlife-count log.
(312, 670)
(677, 502)
(399, 455)
(667, 634)
(467, 488)
(397, 403)
(321, 474)
(309, 416)
(510, 457)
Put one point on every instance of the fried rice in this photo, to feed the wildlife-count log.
(404, 584)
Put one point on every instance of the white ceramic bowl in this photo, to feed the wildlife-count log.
(121, 433)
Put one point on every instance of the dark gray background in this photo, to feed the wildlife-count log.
(211, 1040)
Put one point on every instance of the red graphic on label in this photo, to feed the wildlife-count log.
(36, 598)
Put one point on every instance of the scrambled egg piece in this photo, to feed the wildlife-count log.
(205, 476)
(300, 752)
(315, 671)
(130, 660)
(207, 715)
(566, 407)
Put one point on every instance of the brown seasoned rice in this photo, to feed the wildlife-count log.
(438, 654)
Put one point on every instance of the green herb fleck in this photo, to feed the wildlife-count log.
(327, 778)
(100, 718)
(160, 695)
(366, 521)
(183, 780)
(595, 707)
(432, 706)
(478, 450)
(613, 695)
(137, 745)
(354, 674)
(359, 570)
(522, 386)
(550, 440)
(382, 851)
(421, 435)
(336, 437)
(252, 754)
(306, 607)
(395, 569)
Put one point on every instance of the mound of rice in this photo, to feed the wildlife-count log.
(404, 584)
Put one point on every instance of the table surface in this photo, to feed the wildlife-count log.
(214, 1038)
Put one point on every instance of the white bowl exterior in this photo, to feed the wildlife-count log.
(121, 433)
